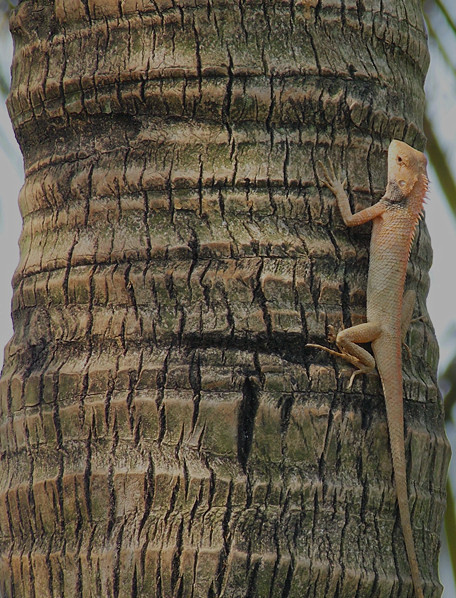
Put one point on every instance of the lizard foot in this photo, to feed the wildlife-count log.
(331, 179)
(328, 350)
(360, 370)
(358, 364)
(343, 355)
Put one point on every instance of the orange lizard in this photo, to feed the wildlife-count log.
(389, 309)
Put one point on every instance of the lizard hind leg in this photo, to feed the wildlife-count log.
(347, 342)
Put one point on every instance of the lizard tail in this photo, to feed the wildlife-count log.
(392, 389)
(400, 481)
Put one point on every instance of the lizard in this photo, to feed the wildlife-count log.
(388, 309)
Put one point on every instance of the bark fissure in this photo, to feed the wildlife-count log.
(246, 421)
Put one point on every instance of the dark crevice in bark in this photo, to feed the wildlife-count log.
(50, 581)
(169, 189)
(149, 491)
(196, 504)
(173, 499)
(285, 405)
(161, 381)
(110, 480)
(251, 583)
(287, 585)
(246, 422)
(226, 106)
(258, 295)
(193, 244)
(88, 473)
(221, 202)
(176, 561)
(286, 164)
(195, 383)
(59, 440)
(333, 238)
(162, 423)
(327, 439)
(200, 185)
(142, 555)
(98, 579)
(130, 289)
(78, 586)
(117, 562)
(158, 578)
(85, 4)
(314, 286)
(185, 475)
(107, 402)
(221, 572)
(60, 579)
(134, 584)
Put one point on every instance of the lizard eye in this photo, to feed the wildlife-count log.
(401, 183)
(399, 159)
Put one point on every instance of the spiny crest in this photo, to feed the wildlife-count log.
(418, 195)
(423, 188)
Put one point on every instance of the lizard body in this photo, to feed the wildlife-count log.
(388, 310)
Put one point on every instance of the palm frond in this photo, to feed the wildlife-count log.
(441, 48)
(440, 164)
(442, 8)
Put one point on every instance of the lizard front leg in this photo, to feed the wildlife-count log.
(331, 180)
(347, 342)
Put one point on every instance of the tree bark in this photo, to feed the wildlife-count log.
(164, 432)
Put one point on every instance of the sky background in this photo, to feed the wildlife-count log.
(441, 94)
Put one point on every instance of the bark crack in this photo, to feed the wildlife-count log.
(246, 422)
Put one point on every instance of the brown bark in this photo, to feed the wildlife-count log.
(164, 432)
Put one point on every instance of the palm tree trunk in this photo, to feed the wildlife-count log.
(164, 433)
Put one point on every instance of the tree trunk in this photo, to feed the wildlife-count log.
(164, 432)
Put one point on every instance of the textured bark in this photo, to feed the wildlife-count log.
(164, 432)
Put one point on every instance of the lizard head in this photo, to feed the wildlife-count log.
(406, 174)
